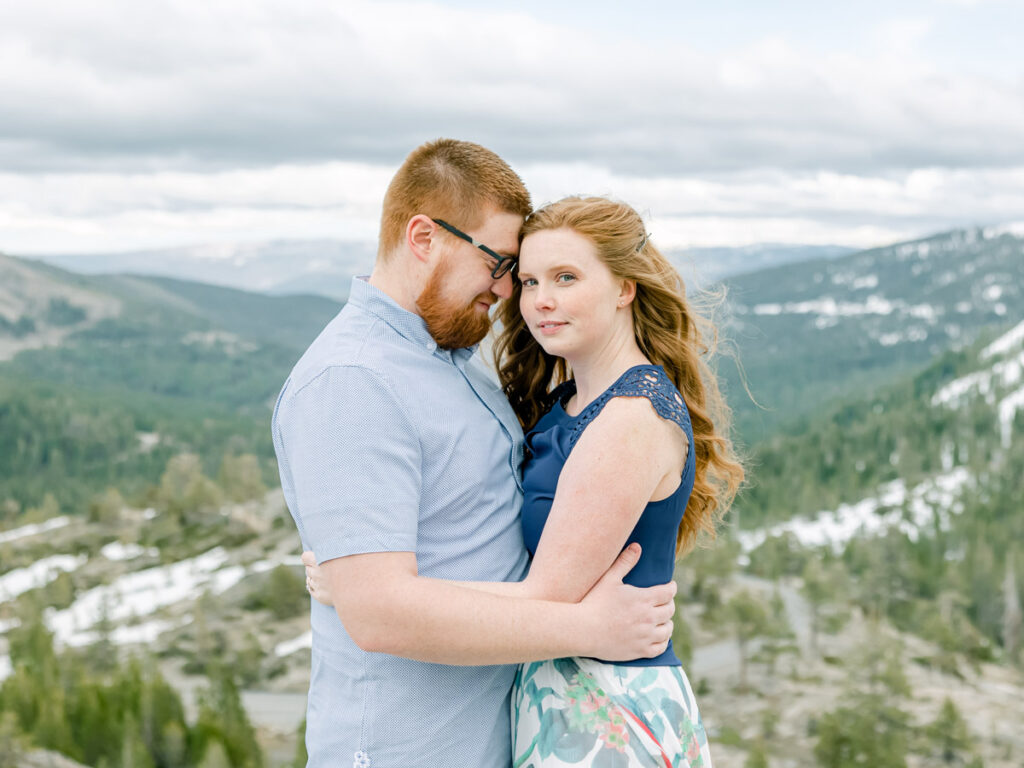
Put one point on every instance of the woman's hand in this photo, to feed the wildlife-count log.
(316, 585)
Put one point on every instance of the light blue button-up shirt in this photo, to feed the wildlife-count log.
(386, 443)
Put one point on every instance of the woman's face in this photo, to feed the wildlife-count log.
(571, 302)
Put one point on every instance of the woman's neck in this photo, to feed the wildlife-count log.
(595, 373)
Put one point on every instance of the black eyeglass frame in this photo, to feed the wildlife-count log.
(505, 263)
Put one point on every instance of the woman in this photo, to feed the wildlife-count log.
(616, 455)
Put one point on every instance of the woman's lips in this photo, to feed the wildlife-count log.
(549, 327)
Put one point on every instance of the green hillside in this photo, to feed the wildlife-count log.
(822, 331)
(845, 452)
(290, 321)
(166, 367)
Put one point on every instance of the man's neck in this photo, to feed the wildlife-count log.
(400, 286)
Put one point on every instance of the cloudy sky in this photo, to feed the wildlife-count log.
(127, 124)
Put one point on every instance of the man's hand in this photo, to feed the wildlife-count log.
(628, 622)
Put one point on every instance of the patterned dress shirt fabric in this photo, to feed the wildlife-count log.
(386, 443)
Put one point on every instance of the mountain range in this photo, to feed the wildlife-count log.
(325, 267)
(819, 331)
(890, 469)
(806, 335)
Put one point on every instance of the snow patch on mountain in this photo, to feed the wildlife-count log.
(872, 305)
(1015, 229)
(895, 506)
(39, 574)
(1008, 408)
(117, 551)
(1006, 372)
(988, 383)
(288, 647)
(34, 529)
(1012, 338)
(129, 597)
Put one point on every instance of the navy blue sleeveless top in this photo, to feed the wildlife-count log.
(548, 446)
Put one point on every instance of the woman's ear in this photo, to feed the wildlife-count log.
(627, 293)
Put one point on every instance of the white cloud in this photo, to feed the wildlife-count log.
(80, 212)
(264, 82)
(130, 125)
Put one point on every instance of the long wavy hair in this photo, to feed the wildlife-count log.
(668, 331)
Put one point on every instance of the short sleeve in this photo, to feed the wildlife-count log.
(648, 381)
(355, 463)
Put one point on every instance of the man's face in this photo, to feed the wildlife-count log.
(459, 293)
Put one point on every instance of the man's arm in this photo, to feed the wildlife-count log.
(386, 607)
(356, 462)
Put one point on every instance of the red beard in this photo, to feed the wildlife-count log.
(452, 326)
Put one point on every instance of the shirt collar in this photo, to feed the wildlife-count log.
(406, 324)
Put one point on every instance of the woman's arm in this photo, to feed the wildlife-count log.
(614, 470)
(621, 461)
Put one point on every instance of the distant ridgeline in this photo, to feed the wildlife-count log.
(103, 379)
(896, 365)
(828, 330)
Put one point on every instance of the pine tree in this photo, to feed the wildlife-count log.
(778, 637)
(949, 736)
(682, 637)
(215, 756)
(756, 758)
(749, 620)
(817, 589)
(240, 478)
(10, 740)
(1011, 611)
(301, 755)
(133, 748)
(223, 719)
(868, 732)
(106, 507)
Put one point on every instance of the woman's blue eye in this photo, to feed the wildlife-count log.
(528, 282)
(565, 275)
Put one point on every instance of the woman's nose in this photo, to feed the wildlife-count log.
(542, 298)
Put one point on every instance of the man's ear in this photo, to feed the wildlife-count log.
(421, 237)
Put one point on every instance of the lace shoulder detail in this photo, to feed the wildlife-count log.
(648, 381)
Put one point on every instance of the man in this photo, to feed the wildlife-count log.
(399, 461)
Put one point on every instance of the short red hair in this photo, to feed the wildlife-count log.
(451, 180)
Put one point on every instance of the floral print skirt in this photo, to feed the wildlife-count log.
(581, 712)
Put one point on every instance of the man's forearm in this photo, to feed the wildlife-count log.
(387, 607)
(503, 588)
(442, 622)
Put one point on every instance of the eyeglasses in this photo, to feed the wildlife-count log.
(505, 263)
